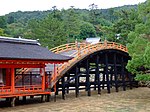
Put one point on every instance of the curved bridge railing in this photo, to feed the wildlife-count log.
(67, 47)
(81, 53)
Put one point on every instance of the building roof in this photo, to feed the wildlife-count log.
(26, 49)
(93, 40)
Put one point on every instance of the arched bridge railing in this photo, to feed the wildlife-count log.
(67, 47)
(81, 53)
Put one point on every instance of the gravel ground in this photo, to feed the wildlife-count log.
(135, 100)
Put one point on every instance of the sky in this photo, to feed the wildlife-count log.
(7, 6)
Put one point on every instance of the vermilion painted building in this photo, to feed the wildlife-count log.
(17, 55)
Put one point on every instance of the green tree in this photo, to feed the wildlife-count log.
(50, 31)
(87, 30)
(139, 44)
(3, 23)
(126, 23)
(72, 24)
(2, 32)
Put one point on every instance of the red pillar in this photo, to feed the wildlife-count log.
(8, 77)
(55, 77)
(43, 77)
(12, 80)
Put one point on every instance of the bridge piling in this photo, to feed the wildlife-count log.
(115, 73)
(106, 72)
(98, 74)
(77, 81)
(87, 79)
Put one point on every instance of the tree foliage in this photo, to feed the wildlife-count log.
(139, 44)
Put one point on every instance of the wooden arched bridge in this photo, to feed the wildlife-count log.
(97, 66)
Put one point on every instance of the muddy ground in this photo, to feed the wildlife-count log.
(135, 100)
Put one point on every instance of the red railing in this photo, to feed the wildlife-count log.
(5, 89)
(20, 89)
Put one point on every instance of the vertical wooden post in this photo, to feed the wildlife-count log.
(115, 73)
(95, 78)
(43, 77)
(98, 74)
(68, 78)
(8, 77)
(87, 79)
(103, 81)
(123, 74)
(111, 77)
(12, 80)
(57, 87)
(63, 87)
(55, 77)
(107, 75)
(77, 81)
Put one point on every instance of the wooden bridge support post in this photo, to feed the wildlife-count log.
(96, 78)
(24, 99)
(88, 79)
(111, 76)
(104, 78)
(77, 81)
(63, 87)
(123, 74)
(107, 75)
(68, 78)
(57, 86)
(115, 73)
(98, 74)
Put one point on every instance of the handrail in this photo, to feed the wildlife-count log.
(25, 88)
(5, 89)
(89, 49)
(67, 47)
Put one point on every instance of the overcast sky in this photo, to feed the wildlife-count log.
(7, 6)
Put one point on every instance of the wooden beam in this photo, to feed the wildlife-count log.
(8, 77)
(68, 78)
(87, 78)
(107, 75)
(21, 65)
(30, 61)
(98, 74)
(77, 81)
(123, 73)
(115, 73)
(63, 87)
(42, 73)
(12, 80)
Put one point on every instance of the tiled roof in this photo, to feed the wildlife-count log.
(27, 49)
